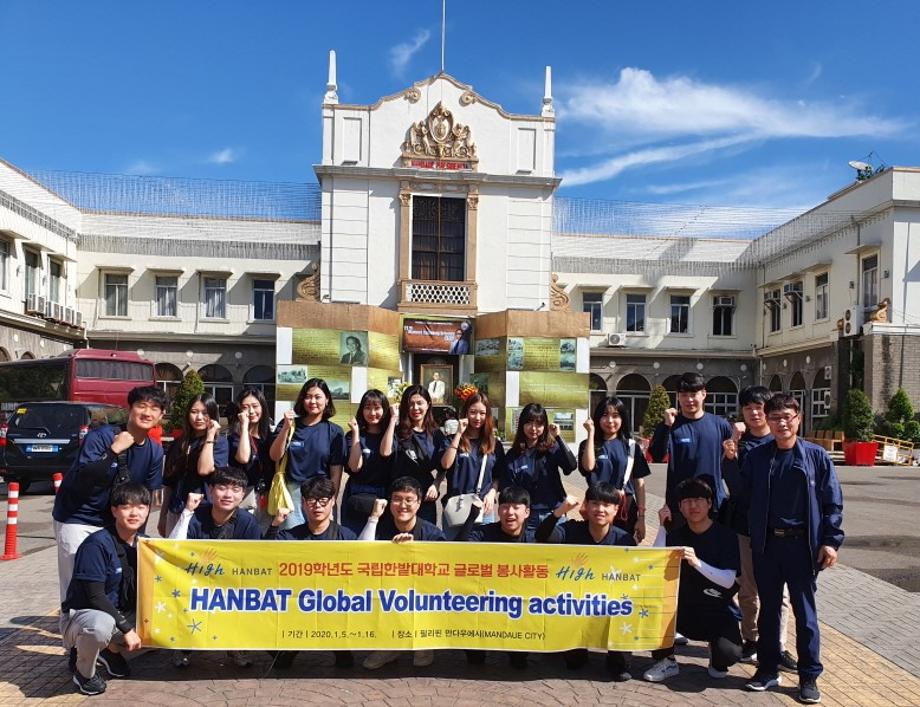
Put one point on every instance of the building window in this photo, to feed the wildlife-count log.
(723, 314)
(721, 404)
(793, 293)
(774, 306)
(591, 303)
(870, 282)
(635, 313)
(33, 272)
(263, 299)
(215, 298)
(821, 304)
(438, 238)
(56, 271)
(4, 264)
(116, 295)
(680, 314)
(820, 397)
(167, 292)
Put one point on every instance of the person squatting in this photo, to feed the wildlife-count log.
(775, 526)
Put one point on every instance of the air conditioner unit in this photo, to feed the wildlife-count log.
(792, 290)
(78, 319)
(35, 305)
(69, 315)
(617, 339)
(827, 373)
(55, 312)
(724, 301)
(827, 398)
(853, 321)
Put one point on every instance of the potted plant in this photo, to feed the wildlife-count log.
(859, 449)
(191, 386)
(658, 402)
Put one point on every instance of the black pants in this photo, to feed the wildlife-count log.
(617, 661)
(721, 630)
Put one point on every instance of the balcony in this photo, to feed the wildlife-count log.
(437, 295)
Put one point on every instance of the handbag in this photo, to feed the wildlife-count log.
(278, 495)
(626, 503)
(457, 508)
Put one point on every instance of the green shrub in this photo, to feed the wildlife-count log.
(658, 402)
(191, 386)
(858, 418)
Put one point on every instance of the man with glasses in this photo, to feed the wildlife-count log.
(401, 525)
(318, 501)
(795, 513)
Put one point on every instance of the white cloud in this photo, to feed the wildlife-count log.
(228, 155)
(640, 105)
(142, 167)
(402, 53)
(816, 70)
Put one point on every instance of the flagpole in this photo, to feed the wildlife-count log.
(443, 30)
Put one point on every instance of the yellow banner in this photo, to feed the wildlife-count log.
(236, 594)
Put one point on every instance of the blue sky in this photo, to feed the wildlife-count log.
(727, 103)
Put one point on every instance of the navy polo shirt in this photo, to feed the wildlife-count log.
(202, 526)
(463, 475)
(302, 532)
(718, 547)
(74, 505)
(610, 464)
(375, 469)
(260, 465)
(787, 492)
(423, 530)
(731, 468)
(313, 450)
(696, 450)
(538, 472)
(183, 476)
(419, 456)
(97, 561)
(493, 533)
(576, 532)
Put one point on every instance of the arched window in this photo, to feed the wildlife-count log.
(721, 397)
(597, 387)
(168, 378)
(820, 397)
(776, 384)
(797, 390)
(262, 377)
(634, 391)
(218, 381)
(670, 384)
(4, 354)
(26, 356)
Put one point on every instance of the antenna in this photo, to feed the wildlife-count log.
(443, 31)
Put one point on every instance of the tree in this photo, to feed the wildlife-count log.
(191, 386)
(900, 408)
(658, 402)
(858, 418)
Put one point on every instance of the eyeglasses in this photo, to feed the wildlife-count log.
(776, 419)
(321, 502)
(403, 501)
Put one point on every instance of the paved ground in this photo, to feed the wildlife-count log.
(868, 640)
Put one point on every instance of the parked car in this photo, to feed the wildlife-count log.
(42, 438)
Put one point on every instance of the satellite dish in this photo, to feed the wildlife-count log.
(859, 166)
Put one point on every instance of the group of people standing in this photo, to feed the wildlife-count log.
(779, 527)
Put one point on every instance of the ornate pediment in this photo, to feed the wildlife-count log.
(438, 142)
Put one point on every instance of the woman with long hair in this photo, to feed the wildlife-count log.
(250, 443)
(370, 459)
(317, 447)
(419, 444)
(191, 458)
(534, 462)
(474, 447)
(607, 453)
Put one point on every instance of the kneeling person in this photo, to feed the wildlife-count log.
(708, 581)
(98, 613)
(602, 501)
(318, 500)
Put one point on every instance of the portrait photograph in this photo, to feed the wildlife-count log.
(439, 382)
(353, 348)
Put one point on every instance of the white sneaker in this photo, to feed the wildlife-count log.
(715, 673)
(662, 670)
(422, 659)
(181, 659)
(680, 640)
(378, 659)
(239, 658)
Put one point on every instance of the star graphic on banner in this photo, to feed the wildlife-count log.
(213, 638)
(172, 638)
(176, 593)
(158, 578)
(635, 587)
(185, 611)
(624, 597)
(626, 628)
(191, 554)
(156, 630)
(195, 626)
(194, 581)
(643, 613)
(651, 567)
(160, 607)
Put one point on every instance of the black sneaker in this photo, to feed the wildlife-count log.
(763, 681)
(72, 660)
(114, 663)
(809, 692)
(749, 652)
(89, 686)
(618, 668)
(788, 663)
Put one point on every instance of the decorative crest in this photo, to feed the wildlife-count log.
(439, 142)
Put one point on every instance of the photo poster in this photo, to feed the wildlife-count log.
(554, 390)
(490, 354)
(453, 337)
(386, 381)
(439, 381)
(493, 385)
(384, 351)
(565, 421)
(288, 381)
(539, 354)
